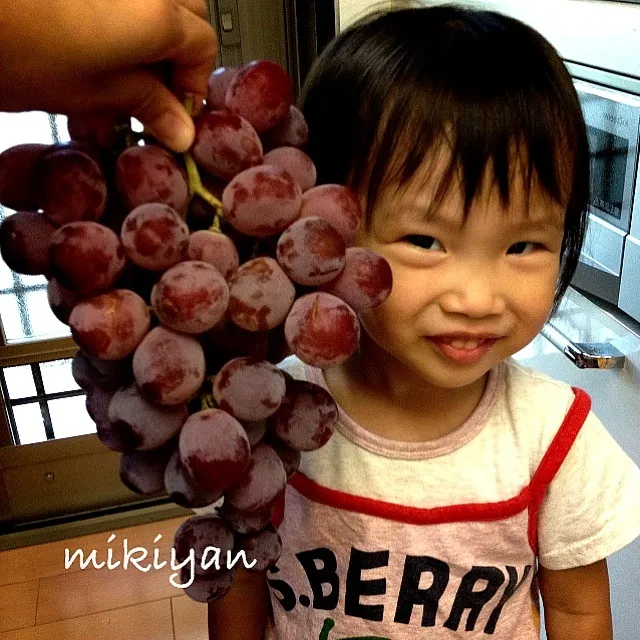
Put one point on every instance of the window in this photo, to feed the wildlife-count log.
(41, 399)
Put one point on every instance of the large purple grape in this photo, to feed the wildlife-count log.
(307, 416)
(148, 426)
(155, 237)
(261, 295)
(111, 325)
(262, 201)
(249, 389)
(168, 367)
(182, 488)
(151, 174)
(70, 186)
(264, 480)
(261, 92)
(199, 532)
(322, 330)
(86, 257)
(225, 144)
(214, 449)
(25, 238)
(191, 297)
(311, 251)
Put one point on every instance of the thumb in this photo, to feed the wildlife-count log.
(140, 94)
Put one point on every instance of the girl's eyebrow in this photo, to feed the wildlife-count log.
(427, 213)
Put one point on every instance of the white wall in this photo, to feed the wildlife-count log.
(602, 34)
(351, 10)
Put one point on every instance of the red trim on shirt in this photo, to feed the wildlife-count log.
(410, 515)
(529, 498)
(554, 457)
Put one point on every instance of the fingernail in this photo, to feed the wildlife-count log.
(176, 132)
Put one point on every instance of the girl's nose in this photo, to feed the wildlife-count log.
(474, 295)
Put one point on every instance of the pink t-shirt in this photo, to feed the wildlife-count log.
(440, 539)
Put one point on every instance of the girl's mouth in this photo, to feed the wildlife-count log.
(463, 350)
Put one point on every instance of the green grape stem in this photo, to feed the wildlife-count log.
(195, 183)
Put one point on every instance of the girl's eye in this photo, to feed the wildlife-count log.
(424, 242)
(523, 247)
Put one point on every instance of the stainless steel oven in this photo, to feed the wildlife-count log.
(609, 265)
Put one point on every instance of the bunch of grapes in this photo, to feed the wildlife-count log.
(185, 281)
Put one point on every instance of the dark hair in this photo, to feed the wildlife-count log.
(389, 89)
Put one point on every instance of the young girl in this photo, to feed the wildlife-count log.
(458, 485)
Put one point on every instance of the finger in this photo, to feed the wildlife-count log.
(140, 94)
(194, 59)
(195, 6)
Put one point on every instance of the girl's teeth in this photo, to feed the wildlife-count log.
(464, 344)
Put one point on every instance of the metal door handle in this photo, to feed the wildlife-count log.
(585, 355)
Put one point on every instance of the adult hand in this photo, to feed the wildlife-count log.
(117, 57)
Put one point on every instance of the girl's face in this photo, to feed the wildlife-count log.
(465, 296)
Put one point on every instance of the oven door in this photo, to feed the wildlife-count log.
(613, 124)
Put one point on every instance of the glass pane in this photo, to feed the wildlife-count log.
(29, 422)
(11, 322)
(6, 275)
(31, 126)
(20, 382)
(43, 322)
(57, 377)
(70, 418)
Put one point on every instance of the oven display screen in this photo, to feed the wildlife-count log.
(608, 153)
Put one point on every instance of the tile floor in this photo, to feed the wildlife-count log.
(41, 600)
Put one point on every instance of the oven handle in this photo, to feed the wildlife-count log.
(585, 355)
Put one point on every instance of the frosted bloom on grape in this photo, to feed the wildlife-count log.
(25, 238)
(155, 237)
(265, 547)
(86, 257)
(182, 489)
(215, 248)
(225, 144)
(111, 325)
(61, 300)
(307, 416)
(291, 131)
(144, 425)
(296, 162)
(151, 174)
(255, 431)
(261, 295)
(311, 251)
(199, 532)
(262, 201)
(191, 297)
(289, 456)
(246, 521)
(214, 449)
(69, 186)
(249, 389)
(97, 404)
(143, 471)
(365, 282)
(169, 367)
(207, 588)
(261, 92)
(335, 203)
(322, 330)
(264, 480)
(218, 84)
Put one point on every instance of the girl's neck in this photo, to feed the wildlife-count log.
(381, 395)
